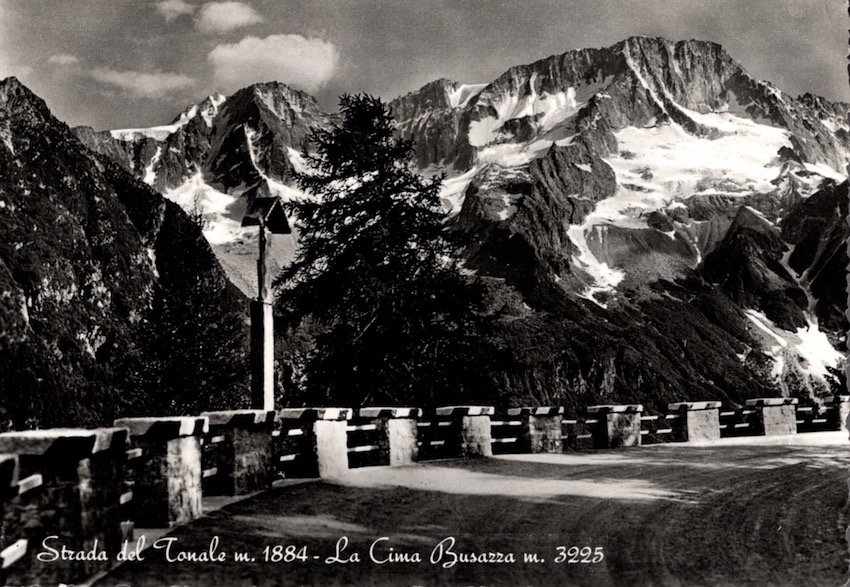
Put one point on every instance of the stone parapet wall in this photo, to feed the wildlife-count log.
(467, 430)
(238, 448)
(167, 489)
(324, 447)
(618, 425)
(540, 429)
(383, 436)
(776, 416)
(70, 490)
(90, 487)
(698, 421)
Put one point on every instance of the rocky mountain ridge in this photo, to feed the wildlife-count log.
(215, 157)
(112, 301)
(592, 186)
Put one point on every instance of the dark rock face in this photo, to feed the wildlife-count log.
(256, 127)
(575, 174)
(818, 231)
(94, 266)
(666, 342)
(531, 243)
(747, 266)
(429, 118)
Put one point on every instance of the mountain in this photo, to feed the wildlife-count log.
(654, 222)
(215, 157)
(606, 176)
(112, 300)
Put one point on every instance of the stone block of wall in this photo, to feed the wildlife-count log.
(325, 439)
(400, 432)
(542, 428)
(842, 412)
(168, 490)
(70, 491)
(697, 421)
(776, 415)
(472, 425)
(243, 459)
(617, 426)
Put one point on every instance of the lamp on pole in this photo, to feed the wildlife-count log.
(266, 213)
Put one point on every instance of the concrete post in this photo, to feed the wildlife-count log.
(617, 425)
(168, 488)
(239, 447)
(541, 430)
(697, 420)
(472, 426)
(776, 415)
(79, 473)
(326, 439)
(400, 432)
(262, 355)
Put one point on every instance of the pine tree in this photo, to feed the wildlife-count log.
(375, 272)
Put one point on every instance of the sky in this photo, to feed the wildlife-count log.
(132, 63)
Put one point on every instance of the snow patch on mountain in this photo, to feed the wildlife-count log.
(152, 258)
(207, 109)
(460, 96)
(212, 107)
(666, 161)
(276, 188)
(821, 169)
(222, 213)
(548, 110)
(453, 191)
(157, 133)
(250, 136)
(297, 160)
(815, 348)
(809, 344)
(604, 277)
(150, 171)
(285, 192)
(760, 215)
(513, 154)
(658, 167)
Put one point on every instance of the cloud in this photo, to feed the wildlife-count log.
(306, 63)
(139, 84)
(172, 9)
(218, 17)
(63, 59)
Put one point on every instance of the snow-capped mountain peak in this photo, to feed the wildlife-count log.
(596, 173)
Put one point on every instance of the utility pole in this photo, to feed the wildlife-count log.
(266, 213)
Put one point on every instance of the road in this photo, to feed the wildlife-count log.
(731, 513)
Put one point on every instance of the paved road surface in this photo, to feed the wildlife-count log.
(725, 514)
